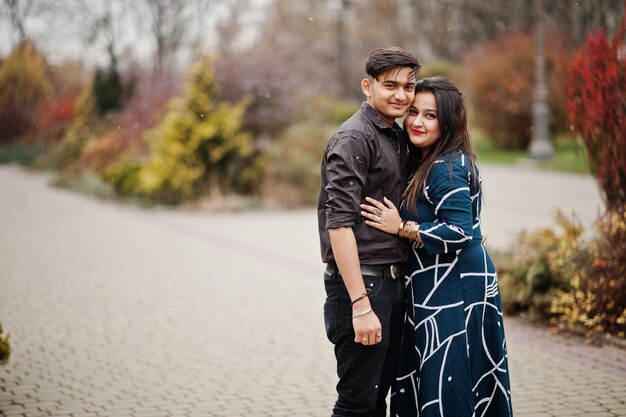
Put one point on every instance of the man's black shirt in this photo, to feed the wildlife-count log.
(364, 158)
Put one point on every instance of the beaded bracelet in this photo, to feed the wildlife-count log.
(409, 229)
(401, 228)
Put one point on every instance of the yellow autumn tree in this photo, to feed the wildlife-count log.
(199, 146)
(24, 81)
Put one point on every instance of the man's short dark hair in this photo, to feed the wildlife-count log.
(384, 59)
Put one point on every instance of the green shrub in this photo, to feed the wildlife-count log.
(327, 110)
(293, 172)
(124, 176)
(23, 153)
(438, 69)
(87, 183)
(293, 161)
(5, 347)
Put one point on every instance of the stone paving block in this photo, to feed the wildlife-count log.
(15, 409)
(593, 409)
(151, 413)
(160, 312)
(564, 412)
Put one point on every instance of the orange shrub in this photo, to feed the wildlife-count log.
(99, 154)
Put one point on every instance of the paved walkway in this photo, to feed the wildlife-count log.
(119, 311)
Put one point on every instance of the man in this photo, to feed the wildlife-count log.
(364, 309)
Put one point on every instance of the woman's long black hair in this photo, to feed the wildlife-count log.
(452, 117)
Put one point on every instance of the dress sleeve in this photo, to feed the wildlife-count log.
(449, 192)
(347, 162)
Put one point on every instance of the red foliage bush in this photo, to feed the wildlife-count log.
(596, 106)
(59, 111)
(502, 79)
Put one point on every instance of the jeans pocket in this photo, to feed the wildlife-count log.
(372, 285)
(330, 317)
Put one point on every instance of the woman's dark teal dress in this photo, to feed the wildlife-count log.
(453, 359)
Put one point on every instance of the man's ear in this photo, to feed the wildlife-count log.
(366, 87)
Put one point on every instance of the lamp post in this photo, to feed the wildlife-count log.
(540, 146)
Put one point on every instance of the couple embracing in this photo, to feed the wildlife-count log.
(413, 303)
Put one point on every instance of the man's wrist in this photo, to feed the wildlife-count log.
(361, 304)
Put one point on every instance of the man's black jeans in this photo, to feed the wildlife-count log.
(365, 372)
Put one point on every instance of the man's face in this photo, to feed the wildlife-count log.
(392, 94)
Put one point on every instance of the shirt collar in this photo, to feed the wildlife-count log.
(375, 117)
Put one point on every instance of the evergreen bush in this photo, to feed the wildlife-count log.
(107, 89)
(198, 147)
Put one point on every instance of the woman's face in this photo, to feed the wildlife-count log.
(421, 121)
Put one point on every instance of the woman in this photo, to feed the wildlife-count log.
(453, 359)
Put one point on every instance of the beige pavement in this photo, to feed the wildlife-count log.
(121, 311)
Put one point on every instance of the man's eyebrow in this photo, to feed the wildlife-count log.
(395, 82)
